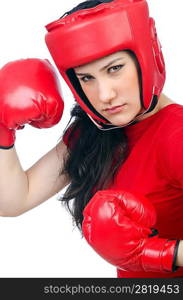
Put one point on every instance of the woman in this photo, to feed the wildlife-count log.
(110, 56)
(117, 156)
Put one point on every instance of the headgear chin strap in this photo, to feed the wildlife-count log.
(89, 34)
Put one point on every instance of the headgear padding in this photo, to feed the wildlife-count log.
(93, 33)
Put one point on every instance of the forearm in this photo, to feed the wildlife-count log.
(13, 183)
(179, 259)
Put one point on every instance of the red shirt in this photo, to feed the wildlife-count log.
(154, 168)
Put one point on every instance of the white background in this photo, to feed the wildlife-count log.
(43, 242)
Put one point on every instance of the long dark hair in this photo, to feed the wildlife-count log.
(94, 155)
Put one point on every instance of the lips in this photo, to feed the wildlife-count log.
(114, 109)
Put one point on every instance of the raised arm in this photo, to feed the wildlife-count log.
(29, 94)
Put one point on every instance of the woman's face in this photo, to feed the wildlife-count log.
(111, 84)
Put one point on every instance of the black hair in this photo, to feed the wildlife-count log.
(94, 155)
(85, 5)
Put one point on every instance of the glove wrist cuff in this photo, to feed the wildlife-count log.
(7, 137)
(159, 255)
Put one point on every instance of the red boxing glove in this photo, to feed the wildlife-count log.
(29, 93)
(118, 226)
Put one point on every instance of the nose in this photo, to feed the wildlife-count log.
(106, 91)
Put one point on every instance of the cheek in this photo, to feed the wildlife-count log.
(133, 80)
(91, 93)
(86, 89)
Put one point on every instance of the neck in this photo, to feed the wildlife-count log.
(162, 102)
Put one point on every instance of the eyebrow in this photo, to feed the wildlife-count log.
(103, 68)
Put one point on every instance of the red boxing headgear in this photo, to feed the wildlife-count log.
(90, 34)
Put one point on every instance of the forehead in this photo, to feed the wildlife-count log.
(103, 60)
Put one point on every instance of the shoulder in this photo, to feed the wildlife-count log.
(169, 128)
(171, 119)
(173, 110)
(170, 144)
(170, 131)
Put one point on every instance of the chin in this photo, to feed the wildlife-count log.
(121, 121)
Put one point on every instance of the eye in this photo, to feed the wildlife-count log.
(85, 78)
(114, 69)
